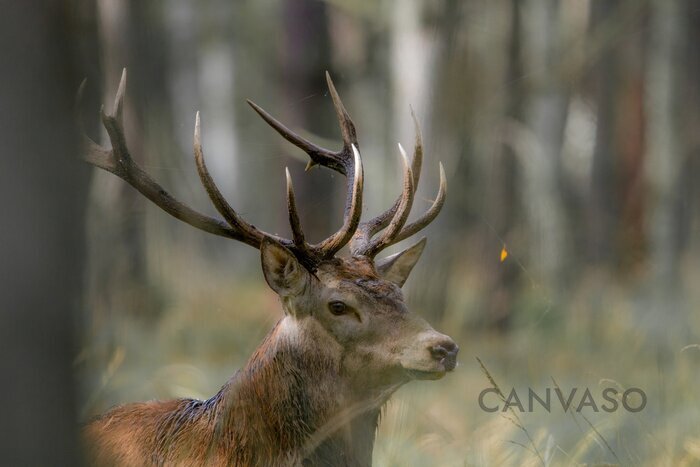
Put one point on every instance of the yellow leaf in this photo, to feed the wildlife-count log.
(504, 254)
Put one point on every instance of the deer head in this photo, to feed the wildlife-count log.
(348, 311)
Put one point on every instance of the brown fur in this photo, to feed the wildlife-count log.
(309, 395)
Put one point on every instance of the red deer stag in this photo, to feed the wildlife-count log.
(311, 394)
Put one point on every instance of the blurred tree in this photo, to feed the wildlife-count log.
(630, 139)
(691, 170)
(502, 192)
(613, 231)
(665, 149)
(547, 111)
(303, 61)
(449, 113)
(414, 48)
(602, 202)
(118, 283)
(43, 187)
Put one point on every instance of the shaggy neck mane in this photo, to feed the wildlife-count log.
(289, 403)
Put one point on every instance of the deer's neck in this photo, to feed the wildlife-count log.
(291, 398)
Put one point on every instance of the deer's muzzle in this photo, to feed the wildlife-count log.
(430, 356)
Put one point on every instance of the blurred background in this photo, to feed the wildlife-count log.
(567, 254)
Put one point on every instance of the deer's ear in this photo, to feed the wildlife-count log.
(397, 267)
(283, 272)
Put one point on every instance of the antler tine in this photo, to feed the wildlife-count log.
(369, 228)
(119, 162)
(417, 161)
(430, 215)
(94, 154)
(297, 233)
(353, 210)
(347, 127)
(386, 238)
(360, 243)
(245, 232)
(341, 161)
(318, 155)
(118, 112)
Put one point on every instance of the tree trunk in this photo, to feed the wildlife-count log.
(43, 185)
(602, 209)
(546, 117)
(503, 276)
(665, 146)
(303, 63)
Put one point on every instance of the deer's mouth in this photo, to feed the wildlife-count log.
(425, 374)
(437, 370)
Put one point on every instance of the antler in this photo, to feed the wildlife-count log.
(346, 161)
(118, 161)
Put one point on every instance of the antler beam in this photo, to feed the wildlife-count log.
(118, 161)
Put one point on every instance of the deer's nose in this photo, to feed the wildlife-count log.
(446, 353)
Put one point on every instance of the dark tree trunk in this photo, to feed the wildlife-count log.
(305, 58)
(502, 197)
(43, 188)
(602, 207)
(630, 239)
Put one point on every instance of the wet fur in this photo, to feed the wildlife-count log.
(263, 416)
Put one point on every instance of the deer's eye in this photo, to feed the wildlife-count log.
(338, 308)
